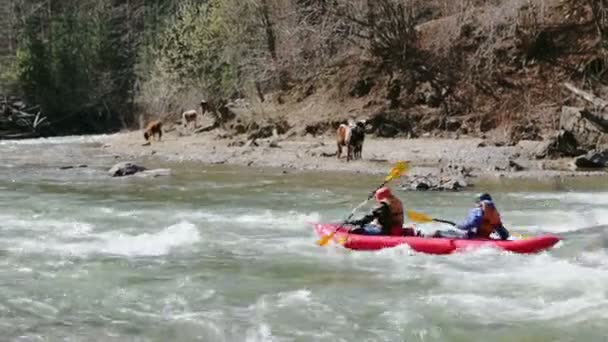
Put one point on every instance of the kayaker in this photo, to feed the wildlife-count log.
(482, 221)
(385, 219)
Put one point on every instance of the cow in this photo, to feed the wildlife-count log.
(352, 137)
(357, 138)
(153, 128)
(192, 115)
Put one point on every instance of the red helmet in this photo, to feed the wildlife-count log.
(383, 193)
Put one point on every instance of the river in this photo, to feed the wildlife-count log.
(226, 254)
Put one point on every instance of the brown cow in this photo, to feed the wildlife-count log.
(351, 137)
(154, 128)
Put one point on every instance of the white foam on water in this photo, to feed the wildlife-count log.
(116, 243)
(494, 309)
(597, 259)
(521, 288)
(268, 218)
(294, 298)
(156, 244)
(58, 140)
(555, 221)
(260, 333)
(594, 198)
(36, 223)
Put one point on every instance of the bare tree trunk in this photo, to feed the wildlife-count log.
(270, 35)
(600, 19)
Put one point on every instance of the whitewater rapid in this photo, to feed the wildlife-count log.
(225, 254)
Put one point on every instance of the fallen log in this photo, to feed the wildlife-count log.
(599, 103)
(16, 120)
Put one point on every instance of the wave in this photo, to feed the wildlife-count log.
(66, 228)
(555, 221)
(115, 243)
(288, 220)
(593, 198)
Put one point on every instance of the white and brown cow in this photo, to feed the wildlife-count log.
(192, 115)
(352, 137)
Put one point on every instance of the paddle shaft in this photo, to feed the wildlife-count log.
(396, 172)
(367, 200)
(445, 221)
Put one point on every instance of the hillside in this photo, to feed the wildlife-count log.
(490, 71)
(480, 68)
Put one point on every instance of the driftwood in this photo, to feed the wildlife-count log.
(207, 128)
(17, 120)
(600, 104)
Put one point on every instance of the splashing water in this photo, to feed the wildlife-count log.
(217, 254)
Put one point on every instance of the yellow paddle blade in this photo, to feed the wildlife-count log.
(325, 240)
(519, 236)
(419, 217)
(343, 240)
(400, 168)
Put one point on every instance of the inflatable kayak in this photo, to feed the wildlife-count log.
(433, 245)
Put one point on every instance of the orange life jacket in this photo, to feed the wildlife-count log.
(396, 208)
(490, 221)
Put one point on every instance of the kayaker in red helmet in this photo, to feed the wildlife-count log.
(482, 221)
(385, 219)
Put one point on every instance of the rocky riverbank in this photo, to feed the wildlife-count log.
(441, 164)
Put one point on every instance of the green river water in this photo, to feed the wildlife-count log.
(227, 254)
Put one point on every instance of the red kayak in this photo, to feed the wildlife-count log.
(433, 245)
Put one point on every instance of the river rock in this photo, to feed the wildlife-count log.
(586, 127)
(515, 166)
(435, 183)
(592, 160)
(154, 173)
(451, 177)
(562, 144)
(125, 169)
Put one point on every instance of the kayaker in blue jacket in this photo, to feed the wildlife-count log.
(482, 221)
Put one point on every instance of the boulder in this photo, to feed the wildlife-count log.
(562, 144)
(432, 182)
(125, 169)
(453, 184)
(514, 166)
(584, 126)
(420, 185)
(592, 160)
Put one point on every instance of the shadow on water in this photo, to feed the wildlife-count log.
(544, 184)
(588, 239)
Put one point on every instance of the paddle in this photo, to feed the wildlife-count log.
(398, 169)
(424, 218)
